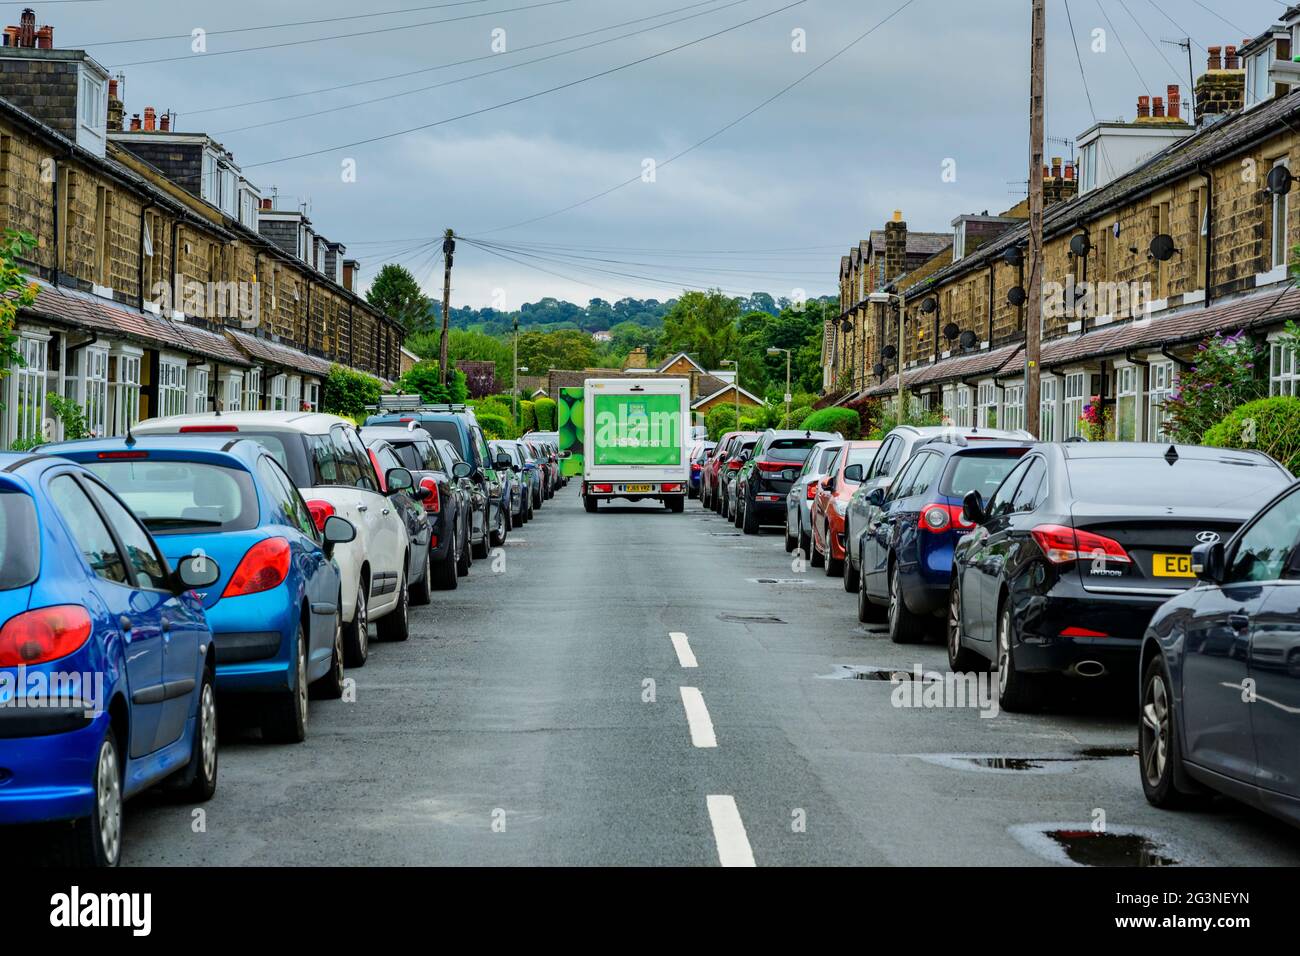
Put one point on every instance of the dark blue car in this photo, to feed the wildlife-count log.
(905, 556)
(106, 664)
(274, 608)
(1220, 692)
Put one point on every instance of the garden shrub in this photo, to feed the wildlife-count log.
(1270, 425)
(842, 420)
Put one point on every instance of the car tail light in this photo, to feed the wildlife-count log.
(119, 455)
(1061, 545)
(1082, 632)
(812, 490)
(433, 503)
(670, 487)
(602, 489)
(45, 634)
(264, 566)
(734, 464)
(208, 428)
(320, 510)
(940, 517)
(771, 465)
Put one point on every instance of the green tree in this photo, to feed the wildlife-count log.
(566, 349)
(348, 392)
(422, 379)
(704, 324)
(16, 291)
(397, 294)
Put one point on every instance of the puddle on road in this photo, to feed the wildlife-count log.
(1025, 763)
(871, 672)
(1098, 753)
(750, 619)
(794, 581)
(1078, 844)
(723, 534)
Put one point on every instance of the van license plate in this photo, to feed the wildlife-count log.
(1172, 565)
(640, 489)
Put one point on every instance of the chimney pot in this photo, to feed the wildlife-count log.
(266, 203)
(1056, 167)
(1069, 171)
(27, 28)
(135, 121)
(45, 38)
(112, 88)
(1215, 60)
(1175, 102)
(150, 115)
(1230, 61)
(1144, 107)
(898, 215)
(1157, 106)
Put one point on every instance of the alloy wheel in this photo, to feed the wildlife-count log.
(108, 801)
(1004, 650)
(208, 732)
(954, 622)
(894, 599)
(1155, 731)
(302, 680)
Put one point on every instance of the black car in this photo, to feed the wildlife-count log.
(904, 557)
(465, 489)
(778, 458)
(1220, 692)
(446, 510)
(1078, 547)
(407, 500)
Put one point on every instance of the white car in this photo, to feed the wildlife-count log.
(327, 460)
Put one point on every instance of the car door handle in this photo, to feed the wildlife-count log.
(124, 623)
(363, 507)
(1238, 622)
(387, 512)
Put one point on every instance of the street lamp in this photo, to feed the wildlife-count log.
(788, 396)
(735, 386)
(884, 298)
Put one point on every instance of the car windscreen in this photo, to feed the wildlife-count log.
(20, 555)
(862, 456)
(795, 450)
(183, 497)
(982, 472)
(1236, 483)
(289, 450)
(447, 431)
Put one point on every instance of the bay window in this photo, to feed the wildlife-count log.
(171, 385)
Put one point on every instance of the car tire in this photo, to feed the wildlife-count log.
(96, 840)
(446, 573)
(590, 504)
(502, 530)
(396, 624)
(330, 687)
(677, 505)
(466, 559)
(791, 540)
(284, 720)
(834, 566)
(1160, 755)
(904, 626)
(198, 781)
(422, 593)
(805, 540)
(851, 577)
(480, 548)
(749, 522)
(868, 611)
(815, 557)
(961, 660)
(1018, 692)
(356, 636)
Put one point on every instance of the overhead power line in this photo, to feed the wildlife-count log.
(531, 96)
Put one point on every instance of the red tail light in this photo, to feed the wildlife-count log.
(1082, 632)
(1062, 545)
(670, 488)
(695, 467)
(46, 634)
(320, 510)
(433, 503)
(264, 567)
(734, 464)
(771, 465)
(119, 455)
(208, 428)
(940, 517)
(602, 489)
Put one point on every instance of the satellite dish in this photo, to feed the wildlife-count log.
(1279, 180)
(848, 325)
(950, 331)
(1081, 245)
(1012, 256)
(888, 352)
(929, 304)
(967, 340)
(878, 369)
(1016, 296)
(1163, 248)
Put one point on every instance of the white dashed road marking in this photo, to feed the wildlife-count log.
(683, 648)
(729, 830)
(697, 716)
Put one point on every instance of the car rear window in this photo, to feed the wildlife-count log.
(179, 497)
(981, 471)
(447, 431)
(20, 555)
(410, 456)
(791, 449)
(1237, 483)
(290, 452)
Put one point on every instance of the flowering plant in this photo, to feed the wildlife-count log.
(1221, 377)
(1092, 423)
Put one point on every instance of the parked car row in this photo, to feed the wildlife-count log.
(1174, 567)
(203, 558)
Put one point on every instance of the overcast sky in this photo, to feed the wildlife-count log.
(812, 171)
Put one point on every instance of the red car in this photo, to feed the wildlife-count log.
(709, 475)
(833, 494)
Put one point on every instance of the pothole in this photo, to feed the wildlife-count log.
(872, 672)
(781, 581)
(723, 534)
(1025, 763)
(1071, 844)
(750, 618)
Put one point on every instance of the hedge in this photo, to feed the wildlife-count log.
(527, 417)
(348, 392)
(796, 417)
(842, 420)
(1270, 425)
(495, 427)
(720, 420)
(546, 412)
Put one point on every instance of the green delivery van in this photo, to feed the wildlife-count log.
(635, 440)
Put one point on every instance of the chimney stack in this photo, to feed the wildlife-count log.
(1069, 172)
(135, 122)
(1222, 88)
(267, 203)
(116, 111)
(350, 269)
(45, 38)
(150, 116)
(895, 247)
(1144, 107)
(27, 28)
(1175, 102)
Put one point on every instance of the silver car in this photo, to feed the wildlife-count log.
(798, 503)
(895, 452)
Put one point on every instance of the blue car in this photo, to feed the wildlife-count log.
(106, 665)
(905, 555)
(274, 612)
(1220, 666)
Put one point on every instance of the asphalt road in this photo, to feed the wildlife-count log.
(539, 715)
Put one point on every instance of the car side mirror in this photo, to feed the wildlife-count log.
(462, 469)
(195, 571)
(876, 497)
(829, 482)
(1208, 562)
(972, 508)
(420, 494)
(399, 479)
(853, 473)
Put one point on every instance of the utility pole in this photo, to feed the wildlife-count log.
(448, 251)
(1034, 314)
(514, 376)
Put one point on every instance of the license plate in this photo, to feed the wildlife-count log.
(1172, 566)
(640, 489)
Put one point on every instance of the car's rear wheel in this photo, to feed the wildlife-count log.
(960, 659)
(198, 781)
(868, 611)
(1018, 692)
(502, 528)
(356, 636)
(396, 624)
(330, 687)
(1160, 755)
(904, 626)
(421, 593)
(96, 840)
(285, 718)
(446, 573)
(465, 560)
(749, 521)
(815, 556)
(480, 548)
(590, 504)
(833, 565)
(850, 576)
(676, 505)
